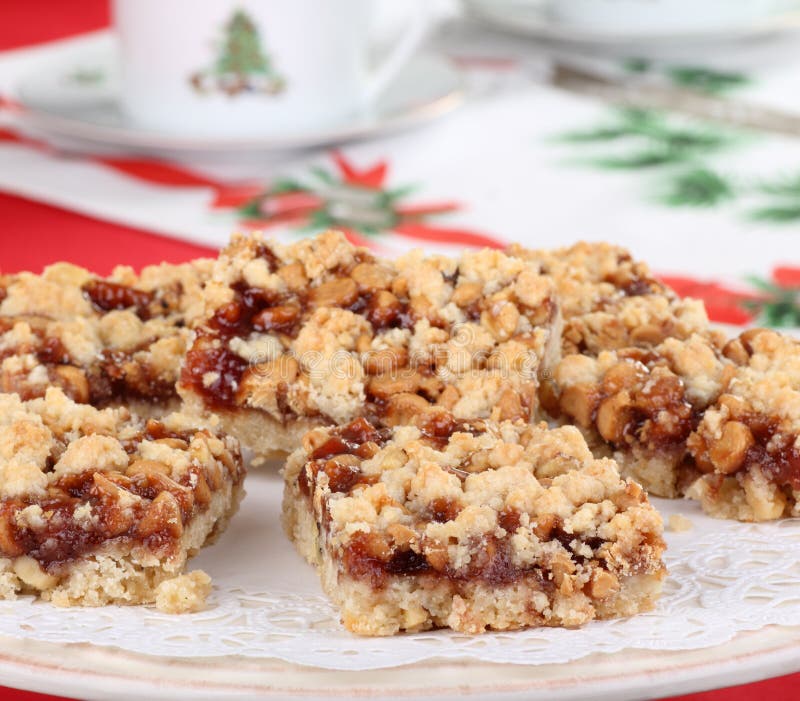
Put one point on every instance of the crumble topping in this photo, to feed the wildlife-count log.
(324, 331)
(611, 301)
(643, 403)
(748, 443)
(102, 340)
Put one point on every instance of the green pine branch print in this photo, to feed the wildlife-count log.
(680, 153)
(701, 79)
(705, 80)
(780, 200)
(698, 187)
(652, 140)
(780, 307)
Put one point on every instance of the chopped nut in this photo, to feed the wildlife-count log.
(563, 567)
(402, 536)
(294, 276)
(544, 526)
(8, 545)
(436, 555)
(74, 382)
(736, 352)
(385, 361)
(509, 406)
(501, 319)
(384, 386)
(174, 443)
(202, 492)
(147, 467)
(621, 376)
(578, 402)
(372, 276)
(376, 546)
(31, 572)
(400, 286)
(603, 584)
(163, 514)
(632, 496)
(750, 335)
(613, 417)
(403, 407)
(647, 334)
(279, 319)
(466, 293)
(383, 309)
(339, 292)
(449, 397)
(728, 453)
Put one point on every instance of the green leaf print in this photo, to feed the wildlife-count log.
(645, 158)
(705, 80)
(680, 151)
(699, 187)
(777, 214)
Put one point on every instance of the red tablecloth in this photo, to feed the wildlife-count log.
(34, 235)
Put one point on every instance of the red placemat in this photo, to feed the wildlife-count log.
(35, 235)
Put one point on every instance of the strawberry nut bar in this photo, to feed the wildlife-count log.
(320, 333)
(470, 525)
(99, 507)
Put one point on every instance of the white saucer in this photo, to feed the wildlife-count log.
(78, 100)
(530, 18)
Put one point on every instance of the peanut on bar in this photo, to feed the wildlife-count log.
(97, 507)
(320, 332)
(104, 341)
(611, 301)
(471, 525)
(747, 445)
(640, 405)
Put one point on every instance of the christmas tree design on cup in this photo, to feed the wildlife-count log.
(242, 64)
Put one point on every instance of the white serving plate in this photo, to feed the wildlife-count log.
(267, 606)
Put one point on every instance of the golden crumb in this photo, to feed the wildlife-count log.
(678, 523)
(186, 593)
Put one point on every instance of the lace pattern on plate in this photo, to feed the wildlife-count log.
(724, 578)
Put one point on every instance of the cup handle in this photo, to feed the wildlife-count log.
(399, 56)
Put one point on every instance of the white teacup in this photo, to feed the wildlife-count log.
(252, 67)
(649, 16)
